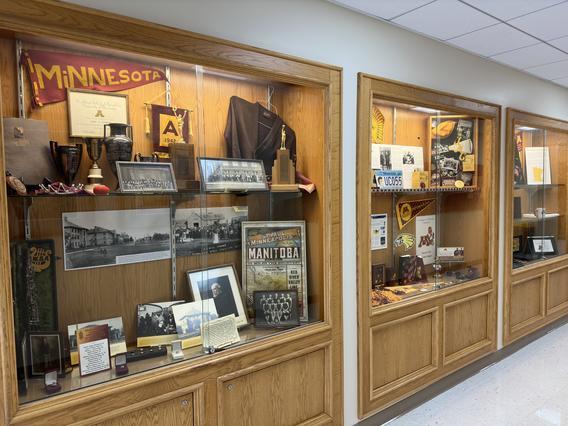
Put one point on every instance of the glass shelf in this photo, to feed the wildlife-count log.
(424, 190)
(539, 186)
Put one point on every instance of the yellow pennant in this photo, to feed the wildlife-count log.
(408, 210)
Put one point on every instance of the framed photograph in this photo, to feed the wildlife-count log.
(45, 353)
(90, 110)
(274, 258)
(189, 317)
(156, 324)
(222, 285)
(276, 309)
(95, 239)
(208, 230)
(517, 243)
(231, 175)
(134, 176)
(378, 276)
(116, 337)
(542, 245)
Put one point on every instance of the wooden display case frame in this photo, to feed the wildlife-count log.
(536, 294)
(199, 391)
(435, 334)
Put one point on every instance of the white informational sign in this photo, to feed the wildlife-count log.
(379, 231)
(537, 160)
(426, 238)
(94, 356)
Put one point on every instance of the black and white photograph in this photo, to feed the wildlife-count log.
(228, 174)
(189, 317)
(136, 176)
(385, 157)
(115, 237)
(408, 157)
(221, 285)
(276, 309)
(208, 230)
(156, 324)
(45, 353)
(116, 337)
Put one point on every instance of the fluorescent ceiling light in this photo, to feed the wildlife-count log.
(424, 109)
(526, 128)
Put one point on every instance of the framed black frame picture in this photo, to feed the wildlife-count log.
(46, 353)
(538, 245)
(231, 175)
(517, 244)
(378, 276)
(276, 308)
(152, 177)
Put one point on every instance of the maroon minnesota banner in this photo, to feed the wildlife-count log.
(51, 73)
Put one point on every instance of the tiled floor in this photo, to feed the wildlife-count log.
(529, 388)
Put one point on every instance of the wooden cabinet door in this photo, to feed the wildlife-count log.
(173, 412)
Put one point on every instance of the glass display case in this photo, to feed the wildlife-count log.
(427, 237)
(429, 197)
(158, 211)
(539, 194)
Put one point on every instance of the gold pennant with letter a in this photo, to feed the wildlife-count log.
(408, 210)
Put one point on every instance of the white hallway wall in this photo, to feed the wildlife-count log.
(321, 31)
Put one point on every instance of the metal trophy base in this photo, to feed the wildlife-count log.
(284, 188)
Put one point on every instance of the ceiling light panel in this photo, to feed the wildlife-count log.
(508, 9)
(444, 19)
(383, 9)
(545, 24)
(552, 71)
(531, 56)
(493, 40)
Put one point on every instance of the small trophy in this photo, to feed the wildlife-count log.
(67, 159)
(94, 150)
(50, 381)
(283, 170)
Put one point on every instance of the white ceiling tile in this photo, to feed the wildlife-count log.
(382, 9)
(493, 40)
(531, 56)
(546, 24)
(561, 43)
(508, 9)
(445, 19)
(561, 81)
(552, 71)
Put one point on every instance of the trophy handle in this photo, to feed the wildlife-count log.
(52, 148)
(155, 157)
(138, 157)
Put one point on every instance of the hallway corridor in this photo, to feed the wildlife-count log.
(529, 387)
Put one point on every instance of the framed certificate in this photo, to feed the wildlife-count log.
(90, 110)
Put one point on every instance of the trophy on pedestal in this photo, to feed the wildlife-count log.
(94, 150)
(283, 170)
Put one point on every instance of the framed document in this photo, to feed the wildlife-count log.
(94, 350)
(90, 110)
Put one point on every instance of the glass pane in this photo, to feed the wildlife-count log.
(430, 195)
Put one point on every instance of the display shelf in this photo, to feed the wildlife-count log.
(425, 190)
(529, 220)
(73, 380)
(539, 186)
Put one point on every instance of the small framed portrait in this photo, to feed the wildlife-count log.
(220, 284)
(517, 243)
(378, 276)
(276, 309)
(231, 175)
(45, 353)
(135, 176)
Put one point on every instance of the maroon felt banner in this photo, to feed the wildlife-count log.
(52, 73)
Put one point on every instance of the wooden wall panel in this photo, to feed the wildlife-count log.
(466, 326)
(403, 350)
(527, 301)
(287, 393)
(557, 290)
(175, 412)
(9, 83)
